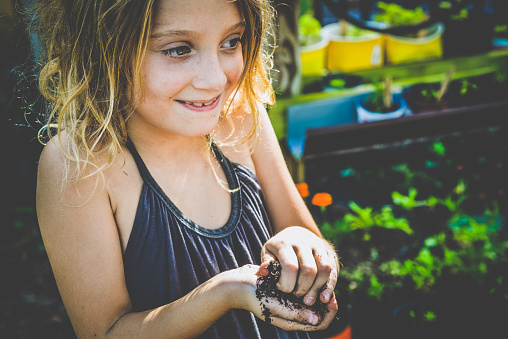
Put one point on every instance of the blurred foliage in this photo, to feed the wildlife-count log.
(421, 233)
(30, 305)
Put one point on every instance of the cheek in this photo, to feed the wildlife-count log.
(235, 69)
(162, 81)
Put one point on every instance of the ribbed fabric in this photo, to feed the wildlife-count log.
(168, 255)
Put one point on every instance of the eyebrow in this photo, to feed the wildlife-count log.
(184, 33)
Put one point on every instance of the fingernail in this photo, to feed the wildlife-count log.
(308, 300)
(313, 319)
(262, 271)
(326, 295)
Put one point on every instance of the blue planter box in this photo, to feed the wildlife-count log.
(322, 113)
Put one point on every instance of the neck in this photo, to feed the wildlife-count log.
(170, 147)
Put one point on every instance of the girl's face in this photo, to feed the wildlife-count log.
(192, 65)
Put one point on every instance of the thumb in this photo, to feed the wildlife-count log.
(266, 259)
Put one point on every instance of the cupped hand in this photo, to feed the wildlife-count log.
(309, 264)
(284, 314)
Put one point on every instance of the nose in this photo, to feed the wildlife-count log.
(210, 74)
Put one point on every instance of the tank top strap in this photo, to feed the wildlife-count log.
(233, 183)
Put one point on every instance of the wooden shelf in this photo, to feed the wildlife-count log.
(354, 137)
(403, 75)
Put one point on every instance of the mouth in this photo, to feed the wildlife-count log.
(200, 105)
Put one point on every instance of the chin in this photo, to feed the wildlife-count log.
(201, 132)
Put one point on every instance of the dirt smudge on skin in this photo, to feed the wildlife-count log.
(267, 288)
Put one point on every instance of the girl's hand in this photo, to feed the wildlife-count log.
(309, 264)
(271, 309)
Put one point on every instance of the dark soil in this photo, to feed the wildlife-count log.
(374, 107)
(266, 288)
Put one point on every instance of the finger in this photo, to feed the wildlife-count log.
(324, 272)
(329, 315)
(267, 256)
(290, 311)
(266, 259)
(327, 293)
(288, 325)
(292, 325)
(289, 262)
(307, 271)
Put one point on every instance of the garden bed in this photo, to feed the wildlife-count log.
(429, 260)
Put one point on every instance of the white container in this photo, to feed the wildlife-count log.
(364, 115)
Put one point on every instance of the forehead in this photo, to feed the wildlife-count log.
(206, 14)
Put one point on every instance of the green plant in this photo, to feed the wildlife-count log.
(381, 99)
(355, 31)
(309, 30)
(365, 219)
(469, 246)
(408, 202)
(456, 258)
(395, 15)
(338, 83)
(376, 99)
(431, 93)
(346, 29)
(439, 148)
(476, 247)
(462, 15)
(501, 30)
(466, 87)
(452, 201)
(501, 78)
(410, 176)
(306, 6)
(335, 231)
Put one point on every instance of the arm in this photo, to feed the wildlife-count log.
(286, 206)
(82, 242)
(309, 262)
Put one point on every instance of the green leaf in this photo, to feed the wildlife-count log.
(430, 242)
(376, 288)
(362, 220)
(430, 316)
(439, 148)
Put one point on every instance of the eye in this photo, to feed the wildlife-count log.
(233, 43)
(177, 51)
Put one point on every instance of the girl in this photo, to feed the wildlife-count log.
(164, 194)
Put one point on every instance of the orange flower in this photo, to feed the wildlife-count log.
(303, 189)
(322, 199)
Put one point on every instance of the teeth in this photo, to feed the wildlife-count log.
(200, 104)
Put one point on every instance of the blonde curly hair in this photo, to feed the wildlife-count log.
(88, 87)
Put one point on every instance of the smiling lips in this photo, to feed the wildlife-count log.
(200, 105)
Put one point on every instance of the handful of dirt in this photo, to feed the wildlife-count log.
(267, 288)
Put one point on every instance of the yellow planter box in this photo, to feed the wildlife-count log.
(348, 54)
(402, 49)
(313, 58)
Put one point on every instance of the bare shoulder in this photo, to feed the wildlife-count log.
(115, 190)
(81, 237)
(52, 162)
(77, 182)
(65, 196)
